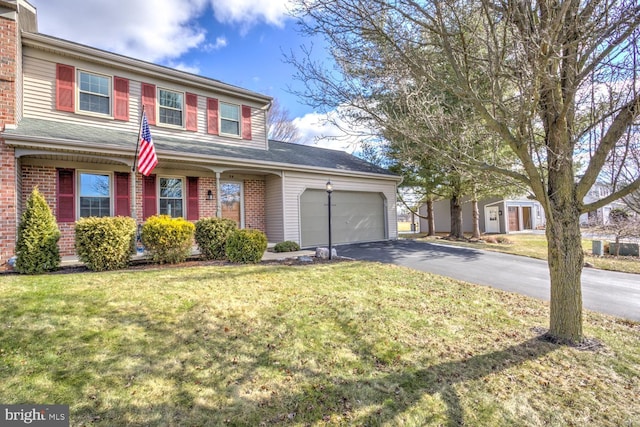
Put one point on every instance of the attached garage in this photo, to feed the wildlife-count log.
(355, 217)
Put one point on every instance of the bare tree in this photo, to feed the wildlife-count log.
(280, 125)
(532, 71)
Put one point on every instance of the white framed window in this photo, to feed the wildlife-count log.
(229, 119)
(170, 107)
(94, 93)
(94, 197)
(172, 196)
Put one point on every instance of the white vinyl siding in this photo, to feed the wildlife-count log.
(274, 209)
(39, 102)
(296, 183)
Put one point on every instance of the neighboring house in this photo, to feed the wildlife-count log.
(496, 215)
(69, 123)
(601, 215)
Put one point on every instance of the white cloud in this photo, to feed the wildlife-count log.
(193, 69)
(153, 30)
(330, 131)
(220, 43)
(249, 12)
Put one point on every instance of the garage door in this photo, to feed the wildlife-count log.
(355, 217)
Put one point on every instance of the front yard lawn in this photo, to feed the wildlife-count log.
(347, 343)
(535, 246)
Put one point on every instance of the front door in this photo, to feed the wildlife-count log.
(514, 220)
(526, 218)
(231, 201)
(492, 222)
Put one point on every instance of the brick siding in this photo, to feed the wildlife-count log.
(8, 196)
(254, 204)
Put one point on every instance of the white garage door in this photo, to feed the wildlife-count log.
(355, 217)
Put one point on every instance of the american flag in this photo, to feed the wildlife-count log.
(147, 160)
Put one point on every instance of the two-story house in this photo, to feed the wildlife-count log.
(69, 124)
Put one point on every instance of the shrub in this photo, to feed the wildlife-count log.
(287, 246)
(168, 240)
(105, 243)
(37, 245)
(212, 235)
(246, 246)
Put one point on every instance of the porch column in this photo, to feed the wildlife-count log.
(218, 197)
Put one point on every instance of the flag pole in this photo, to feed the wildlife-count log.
(135, 157)
(134, 214)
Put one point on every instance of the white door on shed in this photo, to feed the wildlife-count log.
(491, 219)
(355, 217)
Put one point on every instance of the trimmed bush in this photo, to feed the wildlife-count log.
(212, 235)
(168, 240)
(246, 246)
(105, 243)
(38, 234)
(287, 246)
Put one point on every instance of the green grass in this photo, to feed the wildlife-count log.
(535, 246)
(349, 343)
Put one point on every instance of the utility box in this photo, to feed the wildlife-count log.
(626, 249)
(597, 247)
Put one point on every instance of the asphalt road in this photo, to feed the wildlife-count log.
(602, 291)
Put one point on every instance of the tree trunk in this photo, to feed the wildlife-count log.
(456, 218)
(431, 220)
(566, 258)
(476, 219)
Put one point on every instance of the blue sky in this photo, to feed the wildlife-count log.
(240, 42)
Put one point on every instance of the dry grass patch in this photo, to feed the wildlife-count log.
(335, 344)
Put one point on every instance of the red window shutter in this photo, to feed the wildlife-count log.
(192, 112)
(149, 102)
(149, 204)
(121, 99)
(65, 195)
(212, 116)
(246, 122)
(123, 200)
(65, 87)
(192, 198)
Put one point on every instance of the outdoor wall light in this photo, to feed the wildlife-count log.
(209, 195)
(500, 212)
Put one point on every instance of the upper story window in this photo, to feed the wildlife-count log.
(229, 119)
(94, 93)
(170, 107)
(95, 194)
(171, 197)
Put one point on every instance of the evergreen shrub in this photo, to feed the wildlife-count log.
(168, 240)
(105, 243)
(246, 246)
(286, 246)
(211, 236)
(38, 234)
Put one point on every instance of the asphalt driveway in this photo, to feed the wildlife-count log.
(602, 291)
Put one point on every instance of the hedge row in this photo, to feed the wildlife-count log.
(108, 243)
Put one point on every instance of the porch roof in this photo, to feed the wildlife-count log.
(73, 137)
